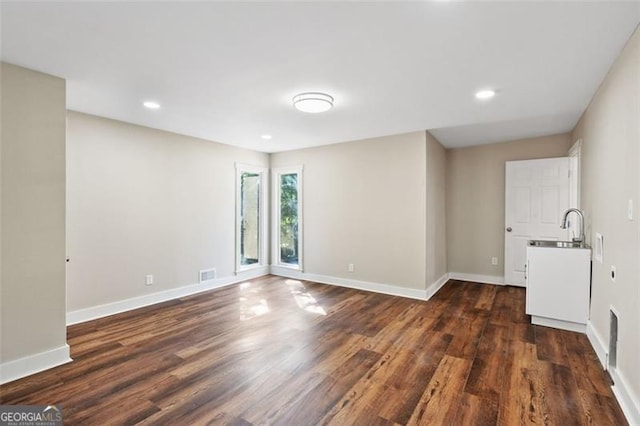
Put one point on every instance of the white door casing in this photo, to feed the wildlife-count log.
(575, 156)
(536, 196)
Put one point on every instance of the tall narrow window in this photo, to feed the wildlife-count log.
(288, 217)
(250, 217)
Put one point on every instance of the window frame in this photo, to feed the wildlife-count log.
(263, 220)
(276, 174)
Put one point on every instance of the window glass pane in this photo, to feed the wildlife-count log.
(249, 218)
(289, 218)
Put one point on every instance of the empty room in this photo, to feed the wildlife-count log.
(324, 212)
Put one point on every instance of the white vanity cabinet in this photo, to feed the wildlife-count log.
(558, 284)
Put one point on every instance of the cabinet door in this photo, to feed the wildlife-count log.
(558, 283)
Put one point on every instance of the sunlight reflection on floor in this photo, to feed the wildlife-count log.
(303, 299)
(250, 305)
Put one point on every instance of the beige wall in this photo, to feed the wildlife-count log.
(475, 200)
(610, 132)
(436, 263)
(144, 201)
(33, 213)
(364, 203)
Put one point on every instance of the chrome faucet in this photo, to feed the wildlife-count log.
(579, 239)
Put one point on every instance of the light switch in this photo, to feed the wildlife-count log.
(630, 210)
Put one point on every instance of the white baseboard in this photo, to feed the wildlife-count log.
(344, 282)
(23, 367)
(433, 288)
(484, 279)
(95, 312)
(629, 402)
(598, 345)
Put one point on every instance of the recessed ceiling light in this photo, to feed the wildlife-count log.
(313, 102)
(485, 94)
(151, 105)
(266, 137)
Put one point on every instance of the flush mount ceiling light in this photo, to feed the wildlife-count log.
(485, 94)
(151, 105)
(313, 102)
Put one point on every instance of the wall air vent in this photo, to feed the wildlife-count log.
(207, 275)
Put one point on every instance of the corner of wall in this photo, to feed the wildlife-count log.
(433, 288)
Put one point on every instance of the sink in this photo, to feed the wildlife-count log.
(557, 244)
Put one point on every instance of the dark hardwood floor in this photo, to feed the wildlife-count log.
(279, 351)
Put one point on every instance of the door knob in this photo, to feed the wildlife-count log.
(509, 229)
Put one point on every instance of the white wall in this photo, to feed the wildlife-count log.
(364, 203)
(144, 201)
(33, 332)
(436, 235)
(610, 132)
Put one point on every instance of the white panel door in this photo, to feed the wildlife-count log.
(536, 196)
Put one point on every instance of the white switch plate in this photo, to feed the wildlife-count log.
(350, 267)
(494, 260)
(148, 280)
(630, 210)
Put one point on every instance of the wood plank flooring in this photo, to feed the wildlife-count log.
(280, 351)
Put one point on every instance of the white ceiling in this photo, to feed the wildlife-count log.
(227, 71)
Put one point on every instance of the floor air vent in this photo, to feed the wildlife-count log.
(207, 275)
(613, 339)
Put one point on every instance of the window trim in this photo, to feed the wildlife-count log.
(263, 237)
(275, 214)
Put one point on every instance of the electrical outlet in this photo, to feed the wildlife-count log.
(630, 210)
(148, 280)
(350, 267)
(613, 273)
(494, 260)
